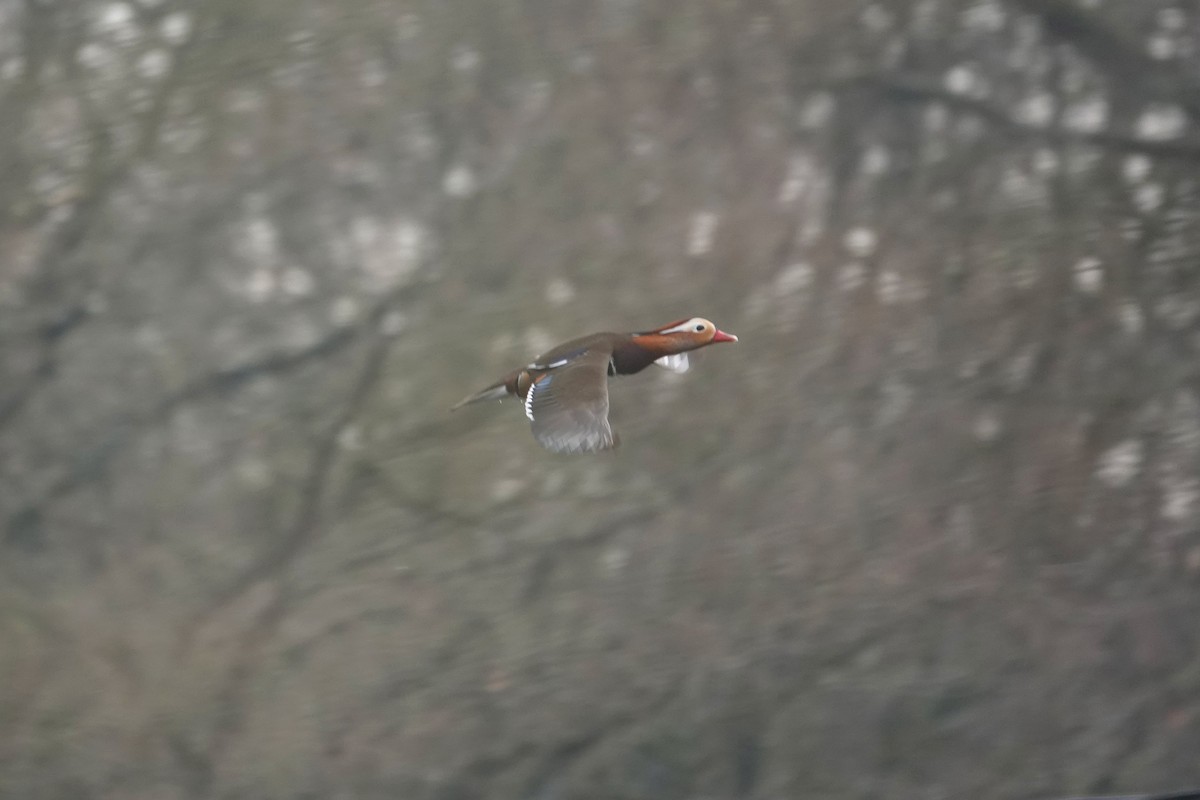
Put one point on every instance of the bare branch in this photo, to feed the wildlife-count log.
(283, 552)
(1130, 68)
(1189, 794)
(48, 336)
(909, 89)
(22, 526)
(274, 563)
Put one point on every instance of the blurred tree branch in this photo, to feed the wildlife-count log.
(102, 170)
(914, 89)
(1188, 794)
(1131, 71)
(48, 335)
(312, 490)
(22, 526)
(270, 567)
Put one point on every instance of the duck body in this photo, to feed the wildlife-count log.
(565, 390)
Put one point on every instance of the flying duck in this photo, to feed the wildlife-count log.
(565, 390)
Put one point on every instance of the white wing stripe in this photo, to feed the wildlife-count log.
(529, 401)
(551, 365)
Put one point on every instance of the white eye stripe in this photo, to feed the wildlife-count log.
(689, 326)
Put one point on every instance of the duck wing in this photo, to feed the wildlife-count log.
(567, 400)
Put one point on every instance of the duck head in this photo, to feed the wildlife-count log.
(685, 334)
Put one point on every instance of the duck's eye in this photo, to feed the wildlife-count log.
(699, 328)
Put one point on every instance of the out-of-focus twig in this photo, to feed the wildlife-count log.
(1187, 794)
(1131, 69)
(49, 335)
(282, 553)
(21, 525)
(911, 89)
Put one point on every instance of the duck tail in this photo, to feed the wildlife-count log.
(497, 391)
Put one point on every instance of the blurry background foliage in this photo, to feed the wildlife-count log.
(929, 530)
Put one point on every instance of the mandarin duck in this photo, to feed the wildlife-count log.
(565, 390)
